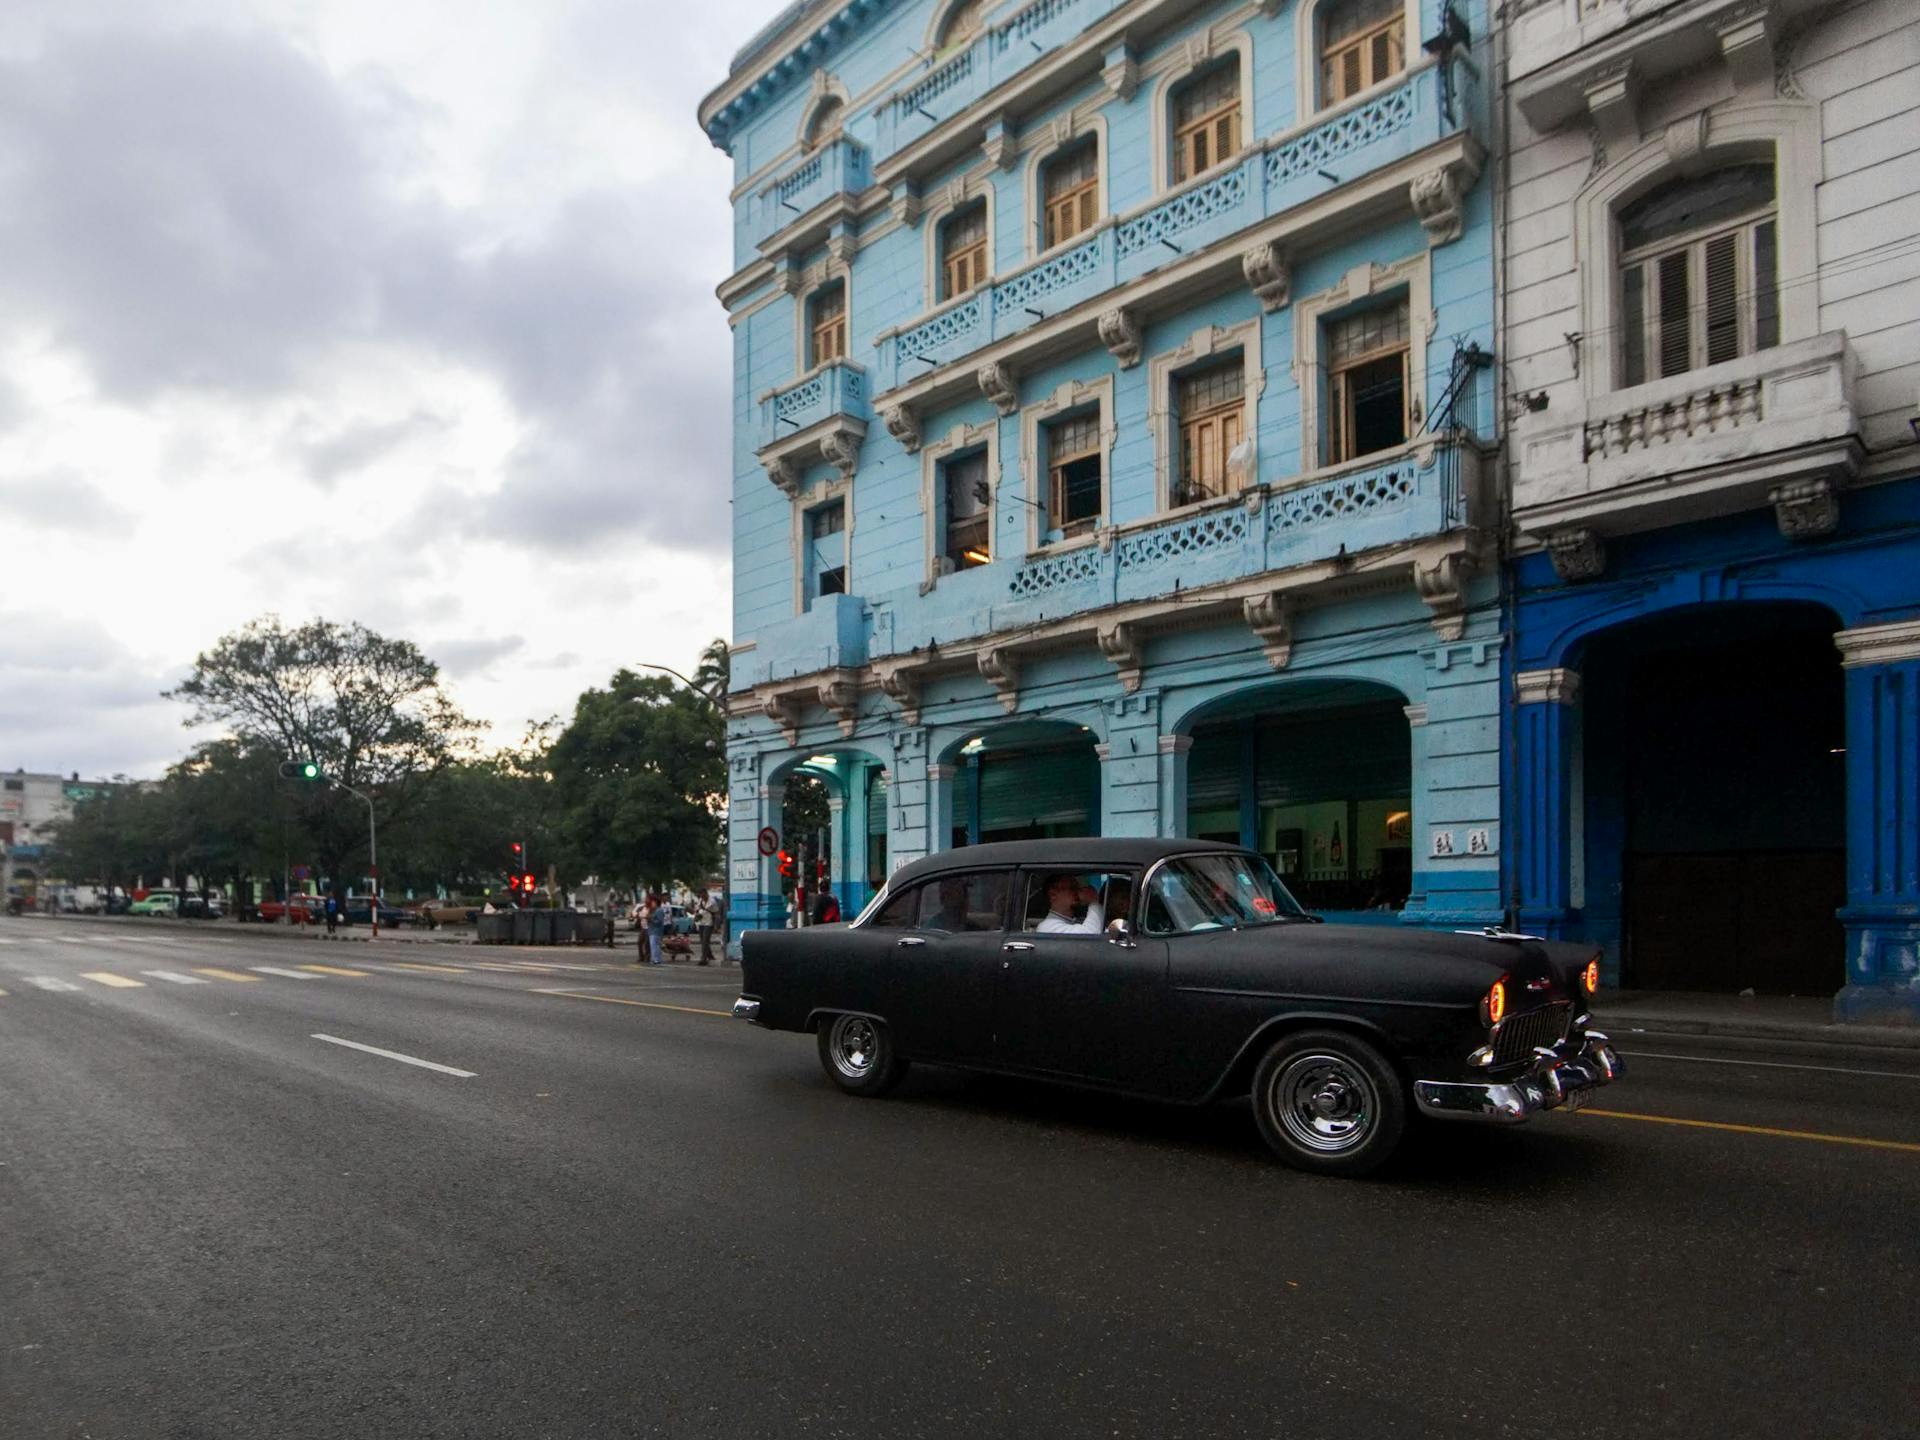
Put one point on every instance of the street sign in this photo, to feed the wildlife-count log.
(769, 840)
(301, 872)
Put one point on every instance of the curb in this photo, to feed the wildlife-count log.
(1878, 1037)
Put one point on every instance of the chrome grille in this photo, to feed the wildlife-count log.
(1519, 1034)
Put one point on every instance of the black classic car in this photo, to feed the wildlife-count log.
(1184, 971)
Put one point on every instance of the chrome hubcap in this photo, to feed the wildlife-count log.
(852, 1044)
(1324, 1103)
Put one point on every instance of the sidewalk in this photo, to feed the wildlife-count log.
(1758, 1017)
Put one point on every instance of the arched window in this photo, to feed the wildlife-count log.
(1698, 273)
(963, 250)
(825, 125)
(1206, 120)
(1070, 193)
(963, 25)
(1362, 42)
(827, 324)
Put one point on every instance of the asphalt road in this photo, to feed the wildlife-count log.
(615, 1212)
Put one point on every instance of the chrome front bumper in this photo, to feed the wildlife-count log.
(745, 1009)
(1563, 1074)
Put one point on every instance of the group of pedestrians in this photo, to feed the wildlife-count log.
(654, 915)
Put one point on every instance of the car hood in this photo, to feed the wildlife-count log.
(1437, 965)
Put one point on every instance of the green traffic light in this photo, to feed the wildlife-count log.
(310, 770)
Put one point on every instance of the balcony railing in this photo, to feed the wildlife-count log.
(839, 167)
(997, 55)
(1411, 495)
(836, 389)
(1280, 174)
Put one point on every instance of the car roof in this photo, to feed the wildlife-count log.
(1087, 852)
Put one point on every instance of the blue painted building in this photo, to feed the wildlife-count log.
(1713, 350)
(1113, 438)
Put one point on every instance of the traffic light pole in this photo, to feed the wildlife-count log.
(373, 855)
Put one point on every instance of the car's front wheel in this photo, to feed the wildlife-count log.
(1329, 1102)
(858, 1054)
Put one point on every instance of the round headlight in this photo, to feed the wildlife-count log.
(1590, 977)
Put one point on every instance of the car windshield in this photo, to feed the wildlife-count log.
(1215, 892)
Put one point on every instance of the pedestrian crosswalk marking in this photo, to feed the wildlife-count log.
(330, 970)
(51, 982)
(113, 981)
(276, 970)
(223, 974)
(176, 979)
(419, 965)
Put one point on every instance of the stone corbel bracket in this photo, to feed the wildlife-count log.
(1268, 274)
(1002, 671)
(1270, 617)
(1805, 509)
(783, 708)
(1120, 333)
(1125, 649)
(996, 383)
(1002, 143)
(840, 693)
(1121, 75)
(840, 447)
(1438, 198)
(901, 684)
(784, 474)
(904, 426)
(1441, 581)
(1577, 554)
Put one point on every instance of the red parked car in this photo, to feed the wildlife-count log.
(305, 909)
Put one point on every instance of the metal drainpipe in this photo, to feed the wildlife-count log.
(1503, 488)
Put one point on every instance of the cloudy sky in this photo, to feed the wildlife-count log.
(394, 312)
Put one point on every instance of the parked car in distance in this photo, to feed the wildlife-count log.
(201, 907)
(117, 904)
(1184, 971)
(445, 912)
(305, 910)
(358, 910)
(156, 902)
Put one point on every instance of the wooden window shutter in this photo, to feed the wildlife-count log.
(1723, 299)
(1676, 345)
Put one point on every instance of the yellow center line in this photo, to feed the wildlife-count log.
(417, 965)
(333, 970)
(643, 1004)
(1755, 1130)
(224, 974)
(2, 992)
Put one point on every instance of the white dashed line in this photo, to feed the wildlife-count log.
(176, 979)
(289, 974)
(395, 1055)
(50, 982)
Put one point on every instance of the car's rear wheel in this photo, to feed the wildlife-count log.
(858, 1054)
(1329, 1102)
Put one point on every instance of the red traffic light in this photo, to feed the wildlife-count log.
(513, 883)
(526, 883)
(786, 863)
(516, 847)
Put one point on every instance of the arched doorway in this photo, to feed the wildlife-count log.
(1713, 805)
(1026, 780)
(1317, 775)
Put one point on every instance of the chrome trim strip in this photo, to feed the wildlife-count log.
(745, 1009)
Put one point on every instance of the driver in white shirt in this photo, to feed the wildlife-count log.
(1063, 891)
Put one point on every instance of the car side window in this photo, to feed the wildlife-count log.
(901, 911)
(964, 902)
(1072, 902)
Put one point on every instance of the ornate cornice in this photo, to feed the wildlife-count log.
(1879, 644)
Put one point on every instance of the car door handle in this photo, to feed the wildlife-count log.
(909, 940)
(1016, 945)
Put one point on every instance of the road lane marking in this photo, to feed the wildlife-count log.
(225, 974)
(108, 978)
(1774, 1065)
(643, 1004)
(510, 969)
(170, 975)
(287, 974)
(329, 970)
(51, 982)
(418, 965)
(1860, 1140)
(395, 1055)
(72, 939)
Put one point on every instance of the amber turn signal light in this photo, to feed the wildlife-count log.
(1493, 1007)
(1590, 977)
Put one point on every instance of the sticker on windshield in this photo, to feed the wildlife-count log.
(1264, 905)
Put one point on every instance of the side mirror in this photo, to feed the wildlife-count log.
(1119, 932)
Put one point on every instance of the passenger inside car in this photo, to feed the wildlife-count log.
(1070, 904)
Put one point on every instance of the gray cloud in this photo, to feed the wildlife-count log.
(211, 210)
(61, 500)
(355, 446)
(73, 698)
(475, 656)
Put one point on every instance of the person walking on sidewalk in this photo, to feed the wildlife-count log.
(333, 913)
(657, 919)
(703, 922)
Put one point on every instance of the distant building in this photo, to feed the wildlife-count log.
(1112, 438)
(31, 809)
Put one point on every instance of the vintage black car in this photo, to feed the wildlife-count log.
(1184, 971)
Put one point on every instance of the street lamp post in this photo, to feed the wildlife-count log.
(373, 854)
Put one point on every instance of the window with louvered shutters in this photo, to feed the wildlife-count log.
(963, 251)
(829, 322)
(1212, 422)
(1070, 192)
(1698, 281)
(1362, 42)
(1206, 120)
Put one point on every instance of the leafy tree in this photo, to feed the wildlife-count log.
(715, 671)
(114, 836)
(370, 710)
(639, 779)
(480, 807)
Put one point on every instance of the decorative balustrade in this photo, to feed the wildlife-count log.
(1277, 176)
(1409, 496)
(839, 167)
(1708, 411)
(838, 389)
